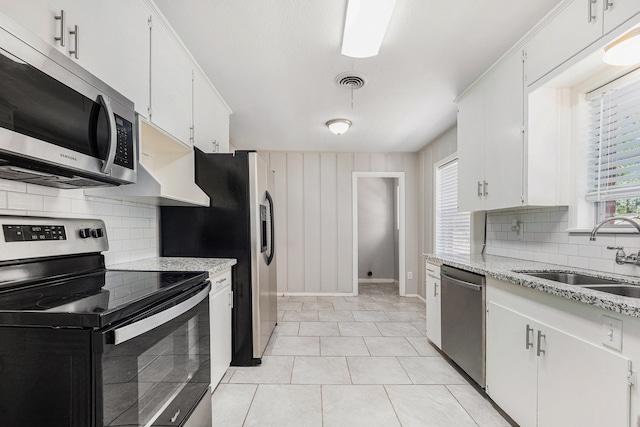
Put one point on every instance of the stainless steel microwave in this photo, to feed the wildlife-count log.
(60, 126)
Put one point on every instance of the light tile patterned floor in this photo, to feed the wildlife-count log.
(351, 361)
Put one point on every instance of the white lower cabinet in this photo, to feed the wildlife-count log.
(220, 305)
(433, 289)
(543, 376)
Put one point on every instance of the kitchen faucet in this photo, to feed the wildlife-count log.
(621, 257)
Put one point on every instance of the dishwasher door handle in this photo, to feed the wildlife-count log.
(462, 283)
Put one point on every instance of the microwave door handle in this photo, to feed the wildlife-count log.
(113, 134)
(140, 327)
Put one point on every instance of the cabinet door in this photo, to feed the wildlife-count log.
(570, 31)
(221, 128)
(511, 363)
(171, 84)
(434, 331)
(471, 150)
(114, 45)
(580, 384)
(39, 18)
(220, 317)
(204, 111)
(503, 141)
(617, 12)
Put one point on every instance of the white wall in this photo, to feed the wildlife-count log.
(132, 229)
(377, 228)
(313, 210)
(436, 150)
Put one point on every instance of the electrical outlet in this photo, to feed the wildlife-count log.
(409, 275)
(612, 332)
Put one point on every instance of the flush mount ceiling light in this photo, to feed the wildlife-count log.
(625, 50)
(338, 126)
(365, 26)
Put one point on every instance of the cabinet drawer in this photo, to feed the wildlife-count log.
(220, 281)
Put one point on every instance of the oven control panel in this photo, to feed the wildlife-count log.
(25, 237)
(33, 233)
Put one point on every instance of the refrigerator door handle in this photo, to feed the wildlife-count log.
(271, 227)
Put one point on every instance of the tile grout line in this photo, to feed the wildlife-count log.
(244, 420)
(446, 386)
(384, 386)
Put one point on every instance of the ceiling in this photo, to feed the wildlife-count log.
(274, 62)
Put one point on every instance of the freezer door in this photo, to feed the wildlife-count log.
(263, 275)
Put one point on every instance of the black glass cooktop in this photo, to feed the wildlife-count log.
(95, 300)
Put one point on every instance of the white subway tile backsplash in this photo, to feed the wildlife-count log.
(546, 240)
(132, 228)
(24, 201)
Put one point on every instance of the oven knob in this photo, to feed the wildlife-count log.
(97, 232)
(85, 232)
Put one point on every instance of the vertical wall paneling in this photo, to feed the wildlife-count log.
(412, 254)
(295, 224)
(278, 163)
(362, 162)
(329, 222)
(312, 231)
(345, 244)
(393, 162)
(377, 162)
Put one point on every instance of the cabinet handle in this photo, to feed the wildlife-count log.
(60, 38)
(528, 343)
(435, 290)
(608, 5)
(479, 189)
(76, 50)
(221, 280)
(484, 187)
(230, 299)
(539, 350)
(592, 17)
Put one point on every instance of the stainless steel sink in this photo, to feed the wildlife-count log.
(622, 290)
(570, 278)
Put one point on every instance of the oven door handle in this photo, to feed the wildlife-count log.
(140, 327)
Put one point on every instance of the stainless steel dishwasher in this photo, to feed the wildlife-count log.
(463, 320)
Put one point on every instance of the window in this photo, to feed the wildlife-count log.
(613, 162)
(452, 228)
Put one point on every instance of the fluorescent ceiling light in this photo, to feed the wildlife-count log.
(365, 26)
(338, 126)
(625, 50)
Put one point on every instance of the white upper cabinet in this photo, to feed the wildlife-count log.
(471, 150)
(114, 45)
(576, 25)
(616, 12)
(210, 117)
(490, 140)
(203, 113)
(110, 39)
(171, 84)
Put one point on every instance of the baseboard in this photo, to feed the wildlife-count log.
(377, 281)
(420, 297)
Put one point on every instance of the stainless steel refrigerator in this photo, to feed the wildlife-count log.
(237, 224)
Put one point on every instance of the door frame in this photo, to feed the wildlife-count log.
(401, 234)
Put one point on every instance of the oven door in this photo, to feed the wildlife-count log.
(154, 370)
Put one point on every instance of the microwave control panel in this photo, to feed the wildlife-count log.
(124, 152)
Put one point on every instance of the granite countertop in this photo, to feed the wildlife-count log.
(502, 268)
(212, 265)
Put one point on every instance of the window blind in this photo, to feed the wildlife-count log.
(614, 144)
(453, 229)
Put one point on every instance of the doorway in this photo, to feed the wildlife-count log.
(379, 252)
